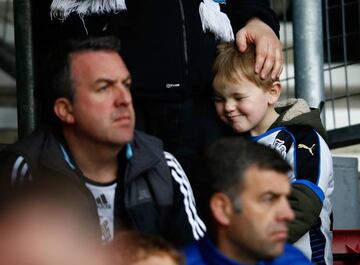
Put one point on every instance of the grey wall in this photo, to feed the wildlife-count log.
(346, 193)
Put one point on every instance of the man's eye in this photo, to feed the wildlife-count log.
(127, 85)
(103, 87)
(239, 98)
(268, 198)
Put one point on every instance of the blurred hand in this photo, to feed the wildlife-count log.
(269, 55)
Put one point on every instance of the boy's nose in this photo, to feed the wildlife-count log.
(229, 106)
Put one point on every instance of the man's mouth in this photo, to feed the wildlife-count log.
(123, 118)
(280, 235)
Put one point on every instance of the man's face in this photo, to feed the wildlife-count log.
(102, 107)
(260, 229)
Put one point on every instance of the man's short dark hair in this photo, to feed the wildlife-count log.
(56, 80)
(226, 162)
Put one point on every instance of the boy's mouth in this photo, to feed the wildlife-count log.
(230, 117)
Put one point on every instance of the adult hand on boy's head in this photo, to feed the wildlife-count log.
(269, 55)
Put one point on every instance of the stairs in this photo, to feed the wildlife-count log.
(8, 113)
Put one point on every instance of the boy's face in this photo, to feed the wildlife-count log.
(242, 105)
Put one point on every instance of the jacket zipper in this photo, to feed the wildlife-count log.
(184, 37)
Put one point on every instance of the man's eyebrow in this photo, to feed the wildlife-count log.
(127, 79)
(272, 193)
(113, 81)
(107, 80)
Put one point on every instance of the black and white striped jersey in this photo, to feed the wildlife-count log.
(312, 176)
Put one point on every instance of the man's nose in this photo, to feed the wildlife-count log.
(285, 213)
(122, 96)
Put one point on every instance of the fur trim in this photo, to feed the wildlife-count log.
(298, 106)
(61, 9)
(215, 21)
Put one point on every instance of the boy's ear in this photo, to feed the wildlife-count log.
(274, 92)
(221, 208)
(63, 110)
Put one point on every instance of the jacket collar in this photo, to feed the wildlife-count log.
(52, 156)
(213, 256)
(142, 153)
(145, 154)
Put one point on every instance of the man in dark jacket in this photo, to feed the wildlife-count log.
(169, 46)
(247, 207)
(134, 183)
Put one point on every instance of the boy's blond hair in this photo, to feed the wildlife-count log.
(232, 66)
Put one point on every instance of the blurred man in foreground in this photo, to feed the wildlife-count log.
(247, 207)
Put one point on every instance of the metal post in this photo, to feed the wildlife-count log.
(24, 67)
(308, 51)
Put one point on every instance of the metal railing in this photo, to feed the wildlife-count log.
(7, 50)
(341, 65)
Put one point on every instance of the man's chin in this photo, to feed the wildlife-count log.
(123, 138)
(276, 250)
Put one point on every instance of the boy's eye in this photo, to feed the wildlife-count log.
(218, 99)
(239, 98)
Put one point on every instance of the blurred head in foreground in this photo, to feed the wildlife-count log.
(133, 248)
(43, 225)
(247, 201)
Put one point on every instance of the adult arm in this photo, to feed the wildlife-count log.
(14, 169)
(185, 225)
(255, 23)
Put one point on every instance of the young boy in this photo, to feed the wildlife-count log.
(249, 105)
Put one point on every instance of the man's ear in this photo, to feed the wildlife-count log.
(63, 110)
(274, 92)
(221, 208)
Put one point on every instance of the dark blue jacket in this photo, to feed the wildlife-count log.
(39, 157)
(203, 252)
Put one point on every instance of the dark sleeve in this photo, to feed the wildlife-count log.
(307, 208)
(186, 224)
(240, 11)
(14, 170)
(312, 172)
